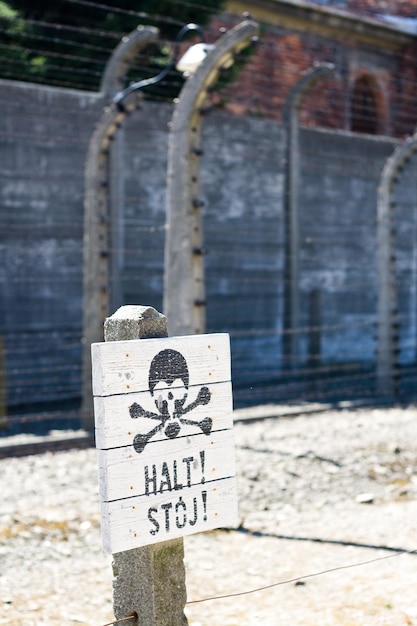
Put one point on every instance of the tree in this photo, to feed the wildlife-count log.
(68, 42)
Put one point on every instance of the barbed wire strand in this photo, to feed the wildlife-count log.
(286, 582)
(27, 367)
(119, 621)
(300, 578)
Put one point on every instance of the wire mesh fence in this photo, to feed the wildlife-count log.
(290, 220)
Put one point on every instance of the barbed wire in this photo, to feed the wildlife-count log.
(301, 578)
(288, 581)
(295, 53)
(140, 14)
(250, 254)
(122, 619)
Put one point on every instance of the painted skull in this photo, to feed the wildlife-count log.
(168, 384)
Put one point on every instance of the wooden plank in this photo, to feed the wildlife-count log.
(116, 428)
(185, 462)
(164, 418)
(121, 367)
(135, 522)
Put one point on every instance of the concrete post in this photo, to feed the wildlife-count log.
(123, 57)
(387, 296)
(292, 236)
(3, 386)
(386, 290)
(184, 288)
(314, 329)
(97, 215)
(149, 582)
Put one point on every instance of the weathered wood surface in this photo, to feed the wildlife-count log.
(164, 419)
(145, 521)
(122, 367)
(186, 462)
(115, 427)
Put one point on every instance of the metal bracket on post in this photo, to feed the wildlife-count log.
(184, 289)
(149, 582)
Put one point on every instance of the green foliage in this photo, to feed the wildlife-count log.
(7, 12)
(68, 42)
(228, 76)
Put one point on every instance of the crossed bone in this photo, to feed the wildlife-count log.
(173, 427)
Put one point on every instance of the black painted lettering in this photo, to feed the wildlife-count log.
(150, 480)
(154, 521)
(194, 521)
(166, 508)
(181, 511)
(176, 484)
(204, 496)
(188, 461)
(203, 463)
(166, 478)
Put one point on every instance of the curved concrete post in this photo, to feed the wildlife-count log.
(97, 254)
(96, 241)
(291, 214)
(184, 289)
(122, 58)
(387, 297)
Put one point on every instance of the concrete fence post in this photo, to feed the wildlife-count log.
(149, 582)
(98, 257)
(387, 322)
(184, 285)
(291, 212)
(314, 328)
(3, 386)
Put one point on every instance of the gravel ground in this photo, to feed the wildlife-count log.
(334, 492)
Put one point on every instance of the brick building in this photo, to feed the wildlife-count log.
(357, 115)
(371, 43)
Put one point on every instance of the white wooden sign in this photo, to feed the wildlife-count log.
(164, 418)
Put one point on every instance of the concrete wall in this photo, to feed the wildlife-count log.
(404, 221)
(43, 143)
(44, 135)
(340, 175)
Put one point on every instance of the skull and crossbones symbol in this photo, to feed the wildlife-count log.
(168, 385)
